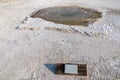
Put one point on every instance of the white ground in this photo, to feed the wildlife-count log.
(23, 52)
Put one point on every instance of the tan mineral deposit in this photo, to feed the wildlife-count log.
(59, 39)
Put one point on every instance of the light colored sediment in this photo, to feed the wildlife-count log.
(24, 51)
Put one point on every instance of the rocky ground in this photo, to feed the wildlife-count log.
(27, 44)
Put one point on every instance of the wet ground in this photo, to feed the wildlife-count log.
(70, 15)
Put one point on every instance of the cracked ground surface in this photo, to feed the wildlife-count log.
(27, 44)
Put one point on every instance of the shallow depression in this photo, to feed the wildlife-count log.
(70, 15)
